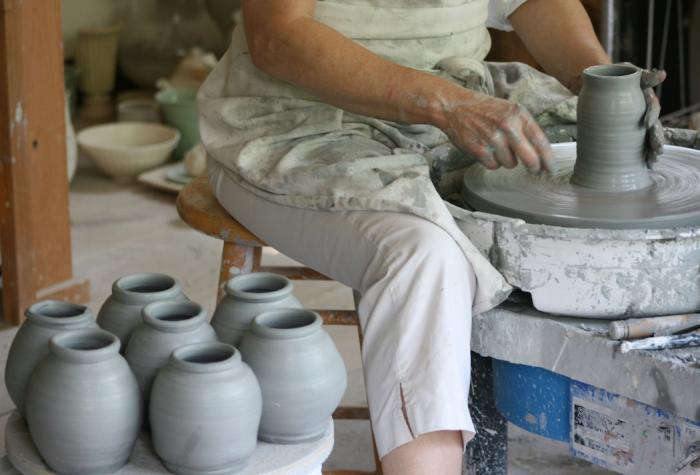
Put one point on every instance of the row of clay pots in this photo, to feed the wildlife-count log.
(179, 370)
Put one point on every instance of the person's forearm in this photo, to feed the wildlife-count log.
(345, 74)
(559, 34)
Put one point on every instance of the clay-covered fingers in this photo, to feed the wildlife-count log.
(543, 148)
(501, 150)
(653, 108)
(527, 142)
(652, 77)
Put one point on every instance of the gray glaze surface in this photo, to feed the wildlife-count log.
(44, 320)
(247, 296)
(611, 130)
(83, 404)
(166, 326)
(121, 312)
(672, 201)
(300, 371)
(205, 410)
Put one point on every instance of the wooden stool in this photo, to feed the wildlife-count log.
(242, 253)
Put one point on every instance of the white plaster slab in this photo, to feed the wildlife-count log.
(268, 459)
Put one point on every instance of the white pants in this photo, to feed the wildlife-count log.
(415, 311)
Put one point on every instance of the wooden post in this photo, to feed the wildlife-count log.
(34, 218)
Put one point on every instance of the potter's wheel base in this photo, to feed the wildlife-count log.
(673, 200)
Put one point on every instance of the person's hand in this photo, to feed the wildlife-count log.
(498, 133)
(655, 132)
(654, 145)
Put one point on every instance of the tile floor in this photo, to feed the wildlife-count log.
(122, 228)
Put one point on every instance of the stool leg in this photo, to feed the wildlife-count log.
(236, 259)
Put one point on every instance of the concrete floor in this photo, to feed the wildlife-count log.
(124, 228)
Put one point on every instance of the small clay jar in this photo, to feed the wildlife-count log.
(247, 296)
(83, 404)
(166, 326)
(300, 371)
(121, 312)
(611, 133)
(31, 343)
(205, 410)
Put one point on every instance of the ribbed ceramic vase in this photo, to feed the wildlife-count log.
(31, 343)
(247, 296)
(121, 312)
(83, 404)
(205, 410)
(301, 374)
(611, 132)
(166, 326)
(97, 60)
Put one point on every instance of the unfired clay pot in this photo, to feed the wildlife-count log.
(166, 326)
(611, 132)
(83, 404)
(31, 343)
(247, 296)
(121, 312)
(300, 371)
(205, 410)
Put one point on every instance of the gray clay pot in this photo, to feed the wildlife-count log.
(247, 296)
(611, 132)
(121, 312)
(31, 343)
(205, 410)
(83, 404)
(166, 326)
(300, 371)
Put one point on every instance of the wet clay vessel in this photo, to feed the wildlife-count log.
(44, 320)
(300, 371)
(166, 326)
(247, 296)
(608, 185)
(205, 410)
(611, 132)
(121, 312)
(83, 404)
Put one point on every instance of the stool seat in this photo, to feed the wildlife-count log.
(199, 208)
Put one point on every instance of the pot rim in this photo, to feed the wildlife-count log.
(223, 357)
(612, 73)
(286, 323)
(121, 289)
(239, 287)
(194, 315)
(69, 313)
(86, 346)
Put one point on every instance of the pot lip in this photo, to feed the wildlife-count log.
(597, 72)
(153, 312)
(76, 314)
(106, 346)
(120, 288)
(231, 357)
(236, 287)
(263, 324)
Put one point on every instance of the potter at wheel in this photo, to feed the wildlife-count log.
(607, 183)
(673, 199)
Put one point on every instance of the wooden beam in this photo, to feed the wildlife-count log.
(34, 215)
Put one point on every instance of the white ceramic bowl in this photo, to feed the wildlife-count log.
(125, 149)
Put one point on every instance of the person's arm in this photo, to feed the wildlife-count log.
(560, 36)
(287, 43)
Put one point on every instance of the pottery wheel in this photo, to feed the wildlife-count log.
(672, 201)
(301, 459)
